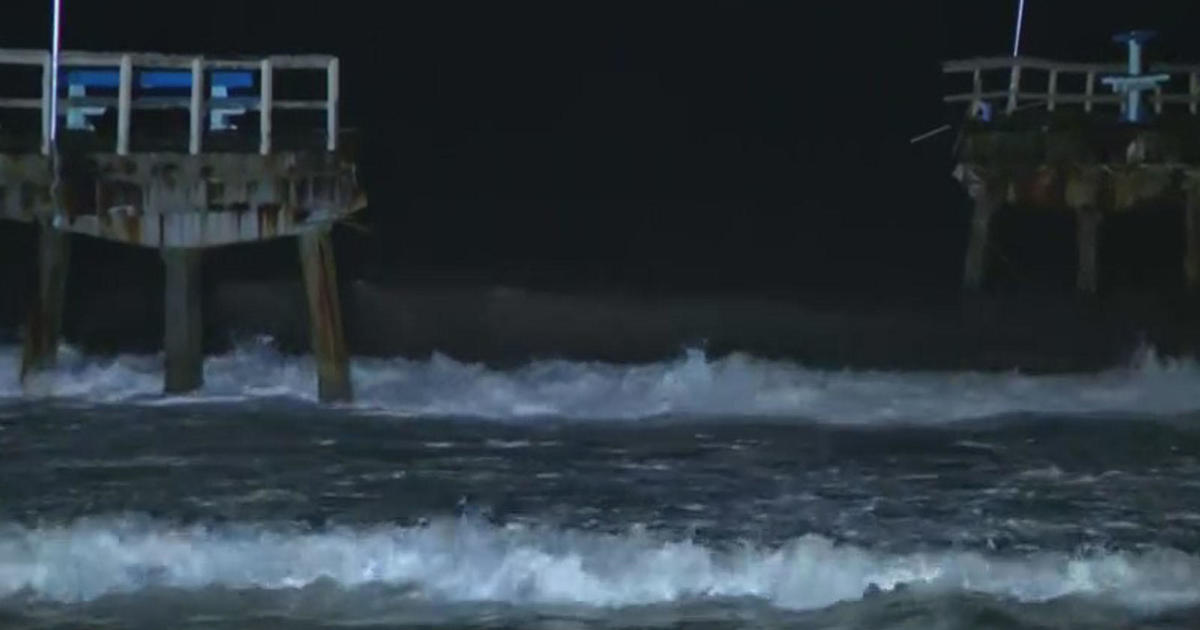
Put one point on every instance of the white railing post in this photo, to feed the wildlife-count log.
(1090, 91)
(1158, 100)
(1052, 91)
(331, 105)
(124, 104)
(1014, 86)
(264, 109)
(195, 111)
(47, 98)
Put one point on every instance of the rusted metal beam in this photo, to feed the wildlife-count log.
(325, 317)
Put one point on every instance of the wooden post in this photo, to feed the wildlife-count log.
(325, 316)
(1053, 91)
(46, 98)
(183, 331)
(1087, 237)
(975, 264)
(196, 110)
(1191, 260)
(1090, 91)
(264, 111)
(40, 350)
(124, 104)
(331, 105)
(1014, 87)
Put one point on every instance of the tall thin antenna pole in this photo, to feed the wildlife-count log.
(1020, 21)
(54, 47)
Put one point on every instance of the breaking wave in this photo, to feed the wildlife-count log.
(468, 561)
(692, 385)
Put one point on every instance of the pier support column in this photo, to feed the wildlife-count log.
(1191, 260)
(325, 316)
(975, 265)
(183, 331)
(1087, 237)
(44, 323)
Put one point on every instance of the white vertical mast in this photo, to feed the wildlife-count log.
(54, 49)
(1020, 21)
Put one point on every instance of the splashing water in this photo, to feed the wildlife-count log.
(692, 385)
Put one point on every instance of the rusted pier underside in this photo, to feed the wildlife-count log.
(1085, 166)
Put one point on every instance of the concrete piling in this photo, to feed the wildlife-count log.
(183, 329)
(325, 316)
(1087, 238)
(975, 263)
(1191, 260)
(40, 349)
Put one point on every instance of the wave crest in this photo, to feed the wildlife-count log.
(469, 561)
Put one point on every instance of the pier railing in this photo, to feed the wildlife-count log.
(198, 102)
(1009, 84)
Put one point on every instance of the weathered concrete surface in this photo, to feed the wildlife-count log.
(44, 322)
(325, 317)
(180, 200)
(183, 340)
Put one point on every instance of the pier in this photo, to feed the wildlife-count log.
(1092, 139)
(181, 154)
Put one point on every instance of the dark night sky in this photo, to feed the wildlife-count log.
(645, 142)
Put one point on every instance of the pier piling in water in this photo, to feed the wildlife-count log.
(183, 329)
(975, 264)
(40, 349)
(182, 191)
(1191, 261)
(325, 317)
(1087, 237)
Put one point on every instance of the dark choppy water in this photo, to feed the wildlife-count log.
(118, 510)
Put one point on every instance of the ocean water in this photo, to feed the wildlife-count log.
(692, 493)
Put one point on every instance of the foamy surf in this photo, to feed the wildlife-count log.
(468, 561)
(692, 385)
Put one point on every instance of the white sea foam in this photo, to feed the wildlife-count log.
(693, 385)
(466, 561)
